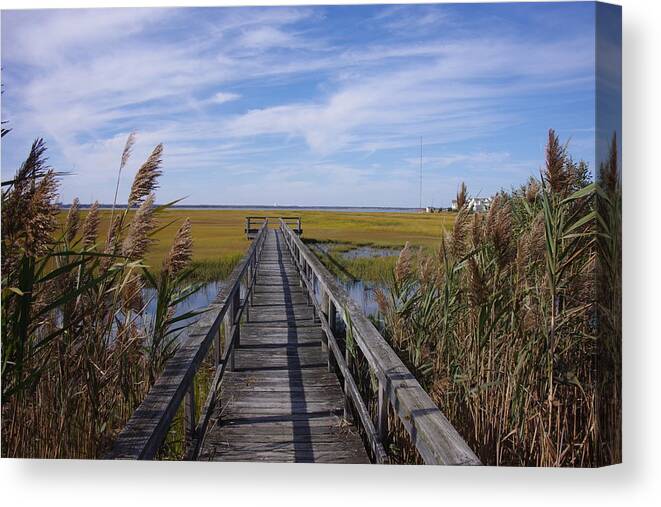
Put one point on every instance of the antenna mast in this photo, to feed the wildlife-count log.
(420, 202)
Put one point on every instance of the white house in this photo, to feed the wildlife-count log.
(477, 204)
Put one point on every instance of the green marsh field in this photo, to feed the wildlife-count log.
(219, 240)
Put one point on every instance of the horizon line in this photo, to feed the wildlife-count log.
(250, 206)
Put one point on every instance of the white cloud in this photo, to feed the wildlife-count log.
(116, 71)
(447, 98)
(46, 37)
(222, 97)
(267, 37)
(406, 19)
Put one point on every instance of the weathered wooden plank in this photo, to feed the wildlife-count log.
(308, 378)
(281, 338)
(266, 433)
(327, 445)
(284, 456)
(305, 375)
(327, 407)
(279, 289)
(279, 299)
(260, 314)
(298, 394)
(278, 391)
(280, 403)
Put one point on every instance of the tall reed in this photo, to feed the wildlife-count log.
(513, 325)
(79, 351)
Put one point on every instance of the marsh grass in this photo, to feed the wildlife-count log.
(78, 355)
(217, 269)
(513, 325)
(368, 269)
(219, 240)
(371, 268)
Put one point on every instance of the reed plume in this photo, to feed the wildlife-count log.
(28, 207)
(41, 214)
(499, 229)
(462, 196)
(477, 230)
(459, 236)
(131, 292)
(181, 251)
(73, 220)
(146, 179)
(403, 266)
(532, 191)
(137, 239)
(128, 149)
(114, 235)
(33, 168)
(91, 226)
(555, 173)
(381, 301)
(126, 154)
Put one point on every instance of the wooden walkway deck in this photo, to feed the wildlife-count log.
(280, 403)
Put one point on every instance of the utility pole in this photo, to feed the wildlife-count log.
(420, 202)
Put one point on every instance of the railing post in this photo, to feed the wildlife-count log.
(253, 264)
(246, 301)
(347, 408)
(229, 324)
(332, 326)
(382, 413)
(236, 303)
(189, 416)
(313, 293)
(217, 348)
(324, 310)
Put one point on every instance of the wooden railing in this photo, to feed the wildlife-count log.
(435, 439)
(252, 224)
(147, 428)
(294, 224)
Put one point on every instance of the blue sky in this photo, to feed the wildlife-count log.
(300, 105)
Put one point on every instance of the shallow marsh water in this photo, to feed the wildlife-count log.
(348, 251)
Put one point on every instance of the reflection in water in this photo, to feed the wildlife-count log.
(198, 301)
(363, 294)
(362, 252)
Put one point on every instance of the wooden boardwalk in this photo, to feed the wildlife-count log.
(275, 394)
(280, 403)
